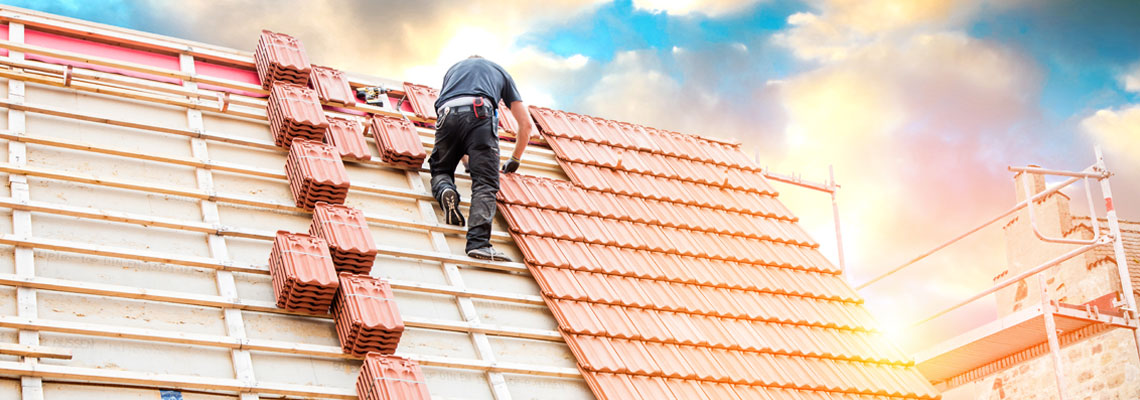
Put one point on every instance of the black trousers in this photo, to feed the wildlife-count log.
(458, 134)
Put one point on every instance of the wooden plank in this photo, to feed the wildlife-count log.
(250, 201)
(183, 382)
(210, 263)
(217, 229)
(451, 258)
(196, 339)
(246, 304)
(234, 321)
(467, 310)
(133, 254)
(27, 299)
(130, 292)
(22, 350)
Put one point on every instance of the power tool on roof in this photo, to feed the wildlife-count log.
(374, 95)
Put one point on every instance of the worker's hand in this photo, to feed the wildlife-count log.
(511, 165)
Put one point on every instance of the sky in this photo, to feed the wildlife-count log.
(919, 105)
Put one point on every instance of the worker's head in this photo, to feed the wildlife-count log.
(474, 56)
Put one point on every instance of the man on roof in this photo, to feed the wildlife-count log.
(468, 126)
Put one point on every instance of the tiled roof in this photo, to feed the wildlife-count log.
(674, 272)
(1130, 233)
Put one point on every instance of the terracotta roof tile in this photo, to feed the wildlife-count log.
(398, 143)
(649, 324)
(331, 85)
(615, 320)
(303, 275)
(595, 353)
(547, 251)
(280, 57)
(315, 173)
(559, 283)
(349, 238)
(682, 263)
(294, 112)
(367, 318)
(422, 99)
(651, 387)
(507, 120)
(576, 317)
(612, 386)
(347, 135)
(385, 377)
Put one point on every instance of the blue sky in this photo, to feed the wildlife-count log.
(1083, 47)
(919, 105)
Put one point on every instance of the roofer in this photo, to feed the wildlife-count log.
(468, 125)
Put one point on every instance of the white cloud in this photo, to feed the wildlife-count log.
(1131, 79)
(684, 7)
(842, 26)
(413, 41)
(1118, 130)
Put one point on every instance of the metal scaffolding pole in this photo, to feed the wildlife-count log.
(1051, 333)
(829, 187)
(835, 214)
(1118, 249)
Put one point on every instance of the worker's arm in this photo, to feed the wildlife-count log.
(522, 114)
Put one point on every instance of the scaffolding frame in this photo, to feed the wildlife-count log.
(1099, 172)
(829, 187)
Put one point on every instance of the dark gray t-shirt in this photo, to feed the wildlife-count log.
(478, 77)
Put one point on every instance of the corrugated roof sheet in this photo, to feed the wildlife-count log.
(674, 272)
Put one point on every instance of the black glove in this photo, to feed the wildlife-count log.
(511, 165)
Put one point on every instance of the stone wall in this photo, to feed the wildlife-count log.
(1104, 366)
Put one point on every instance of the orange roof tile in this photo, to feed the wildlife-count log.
(675, 272)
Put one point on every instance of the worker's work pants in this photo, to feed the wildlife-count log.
(458, 134)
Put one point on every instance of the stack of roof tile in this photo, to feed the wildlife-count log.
(295, 112)
(398, 142)
(280, 57)
(385, 377)
(674, 272)
(367, 319)
(422, 99)
(331, 85)
(346, 231)
(348, 137)
(303, 275)
(316, 174)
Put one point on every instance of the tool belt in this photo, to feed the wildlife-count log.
(468, 104)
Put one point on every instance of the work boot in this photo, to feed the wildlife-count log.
(488, 253)
(449, 202)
